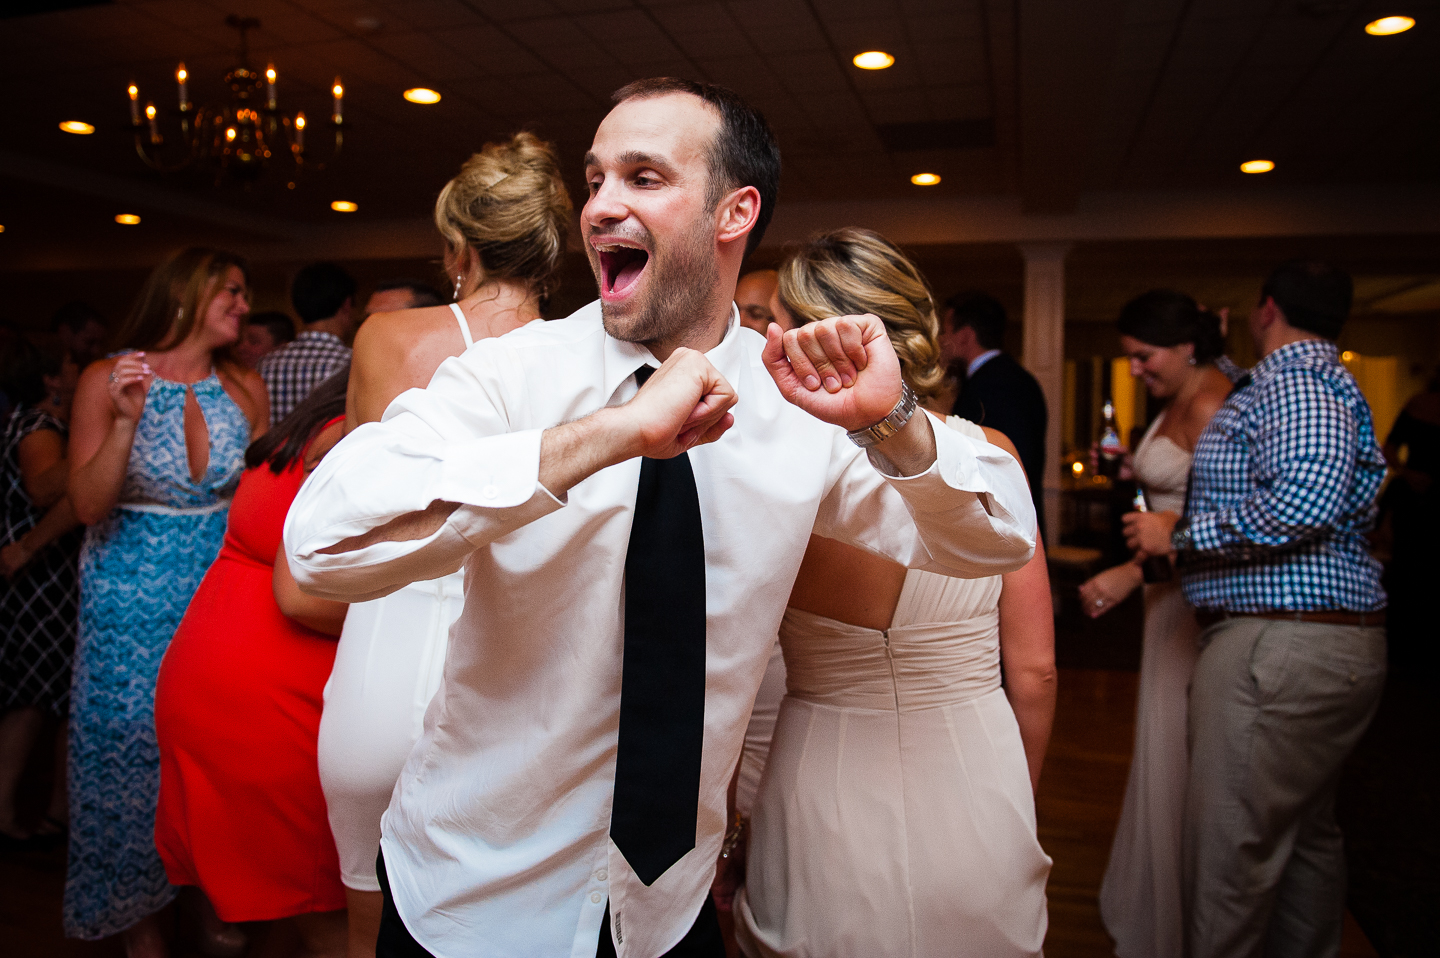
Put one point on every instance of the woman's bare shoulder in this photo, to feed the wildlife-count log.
(384, 332)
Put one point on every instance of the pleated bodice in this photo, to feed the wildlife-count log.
(942, 648)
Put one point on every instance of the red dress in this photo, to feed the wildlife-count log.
(237, 712)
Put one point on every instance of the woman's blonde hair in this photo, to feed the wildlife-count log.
(509, 204)
(175, 298)
(851, 271)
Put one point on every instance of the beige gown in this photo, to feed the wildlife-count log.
(1140, 894)
(894, 815)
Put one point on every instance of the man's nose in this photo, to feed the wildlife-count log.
(605, 204)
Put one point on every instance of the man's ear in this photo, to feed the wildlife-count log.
(1268, 313)
(737, 214)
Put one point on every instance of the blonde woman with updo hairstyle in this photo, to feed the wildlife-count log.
(927, 845)
(504, 220)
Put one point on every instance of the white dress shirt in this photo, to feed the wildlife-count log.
(497, 837)
(979, 361)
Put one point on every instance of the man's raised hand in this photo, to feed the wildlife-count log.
(685, 403)
(842, 370)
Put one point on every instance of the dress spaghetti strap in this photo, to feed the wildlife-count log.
(464, 326)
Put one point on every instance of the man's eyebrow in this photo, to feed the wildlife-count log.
(635, 158)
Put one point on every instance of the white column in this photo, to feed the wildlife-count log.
(1044, 356)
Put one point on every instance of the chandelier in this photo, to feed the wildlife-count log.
(236, 142)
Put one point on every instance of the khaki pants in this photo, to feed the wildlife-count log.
(1275, 707)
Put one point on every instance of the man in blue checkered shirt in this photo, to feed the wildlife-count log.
(324, 296)
(1272, 554)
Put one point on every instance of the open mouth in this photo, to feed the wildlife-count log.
(620, 268)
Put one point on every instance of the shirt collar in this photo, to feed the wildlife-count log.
(622, 358)
(1297, 354)
(980, 360)
(318, 334)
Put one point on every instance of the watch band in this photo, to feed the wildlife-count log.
(1181, 539)
(891, 424)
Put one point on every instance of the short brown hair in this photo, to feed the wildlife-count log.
(851, 271)
(509, 204)
(744, 153)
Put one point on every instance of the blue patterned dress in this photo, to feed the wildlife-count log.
(138, 569)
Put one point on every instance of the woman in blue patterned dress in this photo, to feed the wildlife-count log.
(157, 444)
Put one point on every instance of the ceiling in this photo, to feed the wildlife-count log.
(1045, 105)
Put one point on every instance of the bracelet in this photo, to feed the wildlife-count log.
(733, 836)
(891, 424)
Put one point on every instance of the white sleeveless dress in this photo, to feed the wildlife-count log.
(894, 816)
(388, 666)
(1140, 894)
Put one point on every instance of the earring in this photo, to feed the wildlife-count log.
(1191, 360)
(459, 281)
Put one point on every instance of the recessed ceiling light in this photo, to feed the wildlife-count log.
(127, 219)
(1389, 26)
(344, 206)
(873, 60)
(925, 179)
(79, 127)
(1257, 166)
(420, 94)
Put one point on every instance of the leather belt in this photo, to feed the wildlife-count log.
(1208, 617)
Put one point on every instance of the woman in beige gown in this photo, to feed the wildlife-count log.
(895, 813)
(509, 201)
(1172, 345)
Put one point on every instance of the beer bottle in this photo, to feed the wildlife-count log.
(1112, 449)
(1154, 568)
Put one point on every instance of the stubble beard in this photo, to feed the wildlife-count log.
(676, 292)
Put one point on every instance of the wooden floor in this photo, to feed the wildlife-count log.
(1078, 805)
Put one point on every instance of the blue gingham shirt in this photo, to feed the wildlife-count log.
(294, 369)
(1282, 492)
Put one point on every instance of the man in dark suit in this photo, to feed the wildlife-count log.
(995, 390)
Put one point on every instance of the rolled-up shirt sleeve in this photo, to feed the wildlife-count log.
(969, 515)
(451, 442)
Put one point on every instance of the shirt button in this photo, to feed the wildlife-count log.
(601, 875)
(595, 897)
(489, 492)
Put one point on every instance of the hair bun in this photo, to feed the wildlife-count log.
(509, 204)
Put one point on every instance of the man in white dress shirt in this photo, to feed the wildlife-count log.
(521, 461)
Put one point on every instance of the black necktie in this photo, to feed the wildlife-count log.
(662, 689)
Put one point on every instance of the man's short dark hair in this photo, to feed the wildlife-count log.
(982, 313)
(280, 326)
(744, 153)
(421, 294)
(75, 316)
(1314, 296)
(319, 291)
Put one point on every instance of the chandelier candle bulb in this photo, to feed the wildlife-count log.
(270, 99)
(182, 77)
(300, 131)
(134, 105)
(154, 129)
(339, 92)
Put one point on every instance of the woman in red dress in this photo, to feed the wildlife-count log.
(237, 708)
